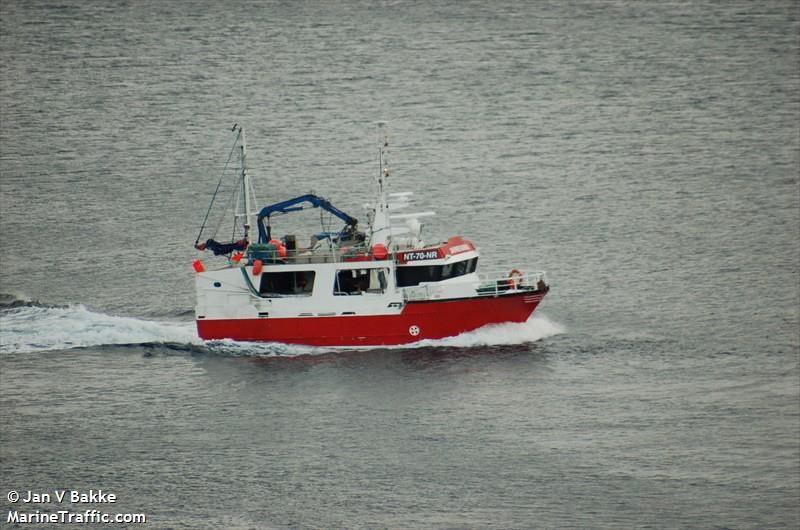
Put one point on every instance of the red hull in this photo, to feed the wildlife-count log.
(418, 321)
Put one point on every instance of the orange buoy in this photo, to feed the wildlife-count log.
(257, 266)
(281, 251)
(237, 257)
(518, 274)
(198, 266)
(379, 252)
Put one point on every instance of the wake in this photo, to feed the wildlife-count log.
(31, 327)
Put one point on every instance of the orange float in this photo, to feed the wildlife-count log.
(379, 252)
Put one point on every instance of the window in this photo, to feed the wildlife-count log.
(411, 275)
(359, 281)
(287, 283)
(408, 276)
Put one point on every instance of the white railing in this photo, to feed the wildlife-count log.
(325, 255)
(491, 284)
(495, 283)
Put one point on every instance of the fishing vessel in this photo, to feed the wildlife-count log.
(377, 285)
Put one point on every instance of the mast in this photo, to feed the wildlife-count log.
(246, 187)
(381, 227)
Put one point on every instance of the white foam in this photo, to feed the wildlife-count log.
(263, 349)
(36, 328)
(535, 328)
(32, 328)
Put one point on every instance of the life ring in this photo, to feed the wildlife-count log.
(514, 272)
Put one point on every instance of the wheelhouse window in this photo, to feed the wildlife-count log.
(298, 283)
(360, 281)
(415, 275)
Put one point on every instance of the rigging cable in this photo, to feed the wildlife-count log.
(219, 183)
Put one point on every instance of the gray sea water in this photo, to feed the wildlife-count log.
(645, 154)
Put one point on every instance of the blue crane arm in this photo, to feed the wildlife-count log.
(290, 205)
